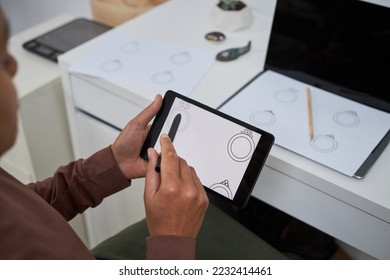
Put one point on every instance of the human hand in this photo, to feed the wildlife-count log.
(127, 146)
(175, 200)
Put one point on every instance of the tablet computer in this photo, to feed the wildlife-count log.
(64, 38)
(227, 154)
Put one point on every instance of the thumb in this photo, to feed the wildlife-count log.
(150, 111)
(152, 178)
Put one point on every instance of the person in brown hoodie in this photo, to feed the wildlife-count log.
(33, 217)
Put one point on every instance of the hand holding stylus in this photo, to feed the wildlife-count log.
(175, 199)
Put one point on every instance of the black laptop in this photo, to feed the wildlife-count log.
(341, 46)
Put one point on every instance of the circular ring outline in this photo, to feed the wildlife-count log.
(156, 78)
(291, 91)
(272, 118)
(355, 118)
(332, 148)
(111, 65)
(230, 147)
(134, 47)
(225, 188)
(180, 57)
(179, 110)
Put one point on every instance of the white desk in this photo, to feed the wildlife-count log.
(354, 211)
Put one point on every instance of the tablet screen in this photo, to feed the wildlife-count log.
(220, 148)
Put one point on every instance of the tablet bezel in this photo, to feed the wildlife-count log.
(255, 165)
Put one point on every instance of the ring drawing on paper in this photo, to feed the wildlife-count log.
(131, 47)
(263, 118)
(180, 58)
(164, 77)
(111, 65)
(324, 143)
(288, 95)
(346, 118)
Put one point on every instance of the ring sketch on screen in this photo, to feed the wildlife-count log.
(214, 147)
(222, 188)
(241, 146)
(185, 115)
(226, 153)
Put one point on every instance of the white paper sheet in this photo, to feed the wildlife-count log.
(345, 132)
(157, 65)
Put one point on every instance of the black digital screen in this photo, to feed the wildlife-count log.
(72, 34)
(342, 46)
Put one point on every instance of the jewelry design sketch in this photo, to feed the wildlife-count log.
(180, 58)
(185, 116)
(164, 77)
(286, 95)
(222, 188)
(130, 47)
(263, 118)
(111, 65)
(346, 118)
(324, 143)
(241, 146)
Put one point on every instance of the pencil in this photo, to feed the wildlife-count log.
(310, 113)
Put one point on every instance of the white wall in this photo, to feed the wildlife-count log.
(22, 14)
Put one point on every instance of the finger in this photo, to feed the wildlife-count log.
(200, 189)
(198, 182)
(152, 178)
(148, 127)
(185, 173)
(196, 178)
(149, 112)
(170, 161)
